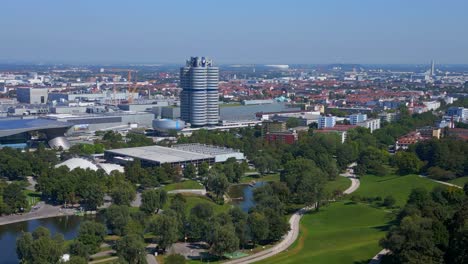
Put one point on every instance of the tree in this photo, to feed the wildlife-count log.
(39, 247)
(14, 197)
(217, 183)
(165, 228)
(123, 193)
(92, 195)
(203, 169)
(258, 225)
(407, 163)
(131, 248)
(153, 200)
(292, 122)
(117, 217)
(175, 259)
(389, 201)
(190, 172)
(91, 234)
(224, 240)
(199, 221)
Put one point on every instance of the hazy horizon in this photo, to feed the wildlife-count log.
(234, 32)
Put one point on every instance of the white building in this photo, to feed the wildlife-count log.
(371, 124)
(326, 122)
(357, 118)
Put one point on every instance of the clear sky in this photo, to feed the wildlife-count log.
(234, 31)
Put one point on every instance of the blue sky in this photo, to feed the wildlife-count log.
(234, 31)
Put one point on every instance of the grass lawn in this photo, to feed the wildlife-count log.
(193, 200)
(189, 184)
(459, 181)
(33, 197)
(343, 232)
(398, 186)
(268, 178)
(341, 183)
(230, 104)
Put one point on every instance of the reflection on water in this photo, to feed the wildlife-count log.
(246, 192)
(66, 225)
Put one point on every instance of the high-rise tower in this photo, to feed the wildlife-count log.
(432, 73)
(199, 97)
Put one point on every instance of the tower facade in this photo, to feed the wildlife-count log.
(199, 98)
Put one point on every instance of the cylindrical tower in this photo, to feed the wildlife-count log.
(199, 96)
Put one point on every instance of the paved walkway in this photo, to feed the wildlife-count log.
(441, 182)
(292, 235)
(191, 191)
(41, 210)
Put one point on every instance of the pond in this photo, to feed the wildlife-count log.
(66, 225)
(243, 195)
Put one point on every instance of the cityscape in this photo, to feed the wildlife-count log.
(210, 153)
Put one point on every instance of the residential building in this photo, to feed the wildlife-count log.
(285, 137)
(199, 99)
(357, 118)
(389, 117)
(458, 111)
(326, 121)
(371, 124)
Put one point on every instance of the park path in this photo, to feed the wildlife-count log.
(294, 222)
(441, 182)
(39, 211)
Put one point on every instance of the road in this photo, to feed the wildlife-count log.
(42, 210)
(294, 222)
(441, 182)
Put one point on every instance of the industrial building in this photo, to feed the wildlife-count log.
(104, 121)
(177, 155)
(29, 95)
(199, 99)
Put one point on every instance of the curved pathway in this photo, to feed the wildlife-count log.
(292, 235)
(41, 210)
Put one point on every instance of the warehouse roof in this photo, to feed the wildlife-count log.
(160, 154)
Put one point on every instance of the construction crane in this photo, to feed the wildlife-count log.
(131, 89)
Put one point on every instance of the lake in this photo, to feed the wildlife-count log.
(246, 192)
(66, 225)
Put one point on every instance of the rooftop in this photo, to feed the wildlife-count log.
(159, 154)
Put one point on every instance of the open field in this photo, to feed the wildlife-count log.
(189, 184)
(193, 200)
(459, 181)
(343, 232)
(398, 186)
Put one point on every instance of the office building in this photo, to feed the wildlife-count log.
(458, 111)
(326, 121)
(199, 99)
(357, 118)
(30, 95)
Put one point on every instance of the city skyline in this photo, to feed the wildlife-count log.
(270, 32)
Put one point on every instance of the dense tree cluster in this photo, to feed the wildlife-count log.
(40, 247)
(432, 228)
(445, 158)
(12, 198)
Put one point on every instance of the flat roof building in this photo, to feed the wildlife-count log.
(177, 155)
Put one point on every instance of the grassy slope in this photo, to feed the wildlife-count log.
(345, 232)
(459, 181)
(340, 233)
(189, 184)
(398, 186)
(341, 183)
(193, 200)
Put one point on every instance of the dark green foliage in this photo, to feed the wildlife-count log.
(131, 248)
(217, 183)
(165, 228)
(91, 235)
(117, 217)
(39, 247)
(224, 240)
(14, 199)
(190, 172)
(258, 227)
(407, 163)
(123, 193)
(153, 200)
(431, 228)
